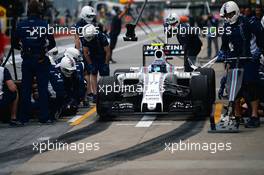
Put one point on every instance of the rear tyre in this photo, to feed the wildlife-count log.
(105, 98)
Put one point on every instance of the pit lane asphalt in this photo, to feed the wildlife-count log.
(126, 149)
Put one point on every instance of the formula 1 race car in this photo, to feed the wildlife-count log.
(160, 88)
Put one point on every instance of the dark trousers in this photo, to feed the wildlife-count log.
(30, 68)
(209, 48)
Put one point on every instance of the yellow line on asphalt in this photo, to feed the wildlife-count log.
(85, 116)
(218, 112)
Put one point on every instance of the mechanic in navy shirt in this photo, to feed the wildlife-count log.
(189, 40)
(97, 54)
(238, 44)
(116, 26)
(8, 94)
(33, 40)
(87, 16)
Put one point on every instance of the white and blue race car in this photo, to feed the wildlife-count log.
(160, 88)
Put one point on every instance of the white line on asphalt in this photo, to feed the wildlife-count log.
(145, 122)
(132, 45)
(153, 124)
(43, 138)
(162, 124)
(125, 124)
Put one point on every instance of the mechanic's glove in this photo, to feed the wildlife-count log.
(221, 56)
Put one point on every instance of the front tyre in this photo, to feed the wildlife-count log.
(210, 73)
(105, 98)
(199, 91)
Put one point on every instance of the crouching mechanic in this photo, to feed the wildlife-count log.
(96, 51)
(190, 41)
(238, 44)
(66, 83)
(8, 94)
(76, 55)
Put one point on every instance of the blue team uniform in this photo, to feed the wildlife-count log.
(245, 40)
(35, 63)
(239, 44)
(97, 54)
(68, 90)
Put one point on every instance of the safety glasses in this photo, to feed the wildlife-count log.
(229, 15)
(90, 16)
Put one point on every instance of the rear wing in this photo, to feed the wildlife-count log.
(168, 49)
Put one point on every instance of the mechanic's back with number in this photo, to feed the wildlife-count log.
(238, 44)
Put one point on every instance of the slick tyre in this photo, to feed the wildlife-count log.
(105, 98)
(210, 73)
(199, 91)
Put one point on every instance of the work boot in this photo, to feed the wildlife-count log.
(253, 122)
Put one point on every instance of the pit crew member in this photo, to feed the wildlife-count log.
(238, 44)
(191, 42)
(33, 46)
(87, 16)
(65, 82)
(116, 26)
(8, 94)
(96, 51)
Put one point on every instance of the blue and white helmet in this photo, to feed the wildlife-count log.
(228, 8)
(67, 66)
(173, 19)
(88, 14)
(73, 53)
